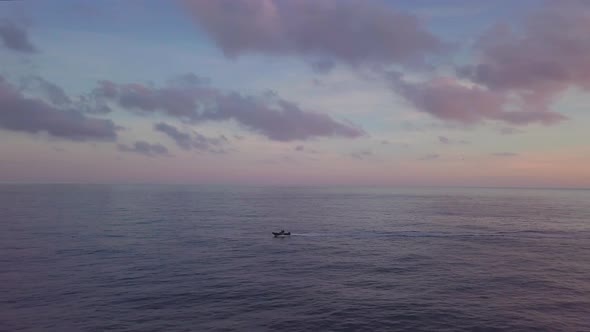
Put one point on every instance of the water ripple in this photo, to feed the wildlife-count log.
(165, 258)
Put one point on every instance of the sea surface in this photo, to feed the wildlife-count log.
(183, 258)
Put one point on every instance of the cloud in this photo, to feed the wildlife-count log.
(444, 140)
(505, 154)
(92, 105)
(189, 80)
(538, 62)
(20, 113)
(446, 99)
(183, 140)
(106, 89)
(544, 57)
(87, 103)
(447, 141)
(55, 94)
(509, 131)
(361, 154)
(353, 32)
(451, 100)
(431, 156)
(269, 115)
(196, 141)
(322, 66)
(303, 149)
(517, 73)
(15, 37)
(145, 148)
(278, 120)
(178, 102)
(279, 160)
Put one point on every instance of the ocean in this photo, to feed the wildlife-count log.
(195, 258)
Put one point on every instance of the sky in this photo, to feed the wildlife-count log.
(296, 92)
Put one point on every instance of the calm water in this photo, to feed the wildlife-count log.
(166, 258)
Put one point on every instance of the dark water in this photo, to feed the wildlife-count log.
(157, 258)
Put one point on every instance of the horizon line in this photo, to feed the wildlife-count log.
(4, 183)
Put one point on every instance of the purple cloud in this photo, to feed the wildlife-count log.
(174, 101)
(90, 103)
(268, 115)
(196, 141)
(278, 120)
(15, 37)
(145, 148)
(55, 94)
(354, 32)
(183, 140)
(20, 113)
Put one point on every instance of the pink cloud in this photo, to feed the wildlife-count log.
(448, 99)
(547, 57)
(516, 75)
(354, 32)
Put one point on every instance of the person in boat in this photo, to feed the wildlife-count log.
(282, 232)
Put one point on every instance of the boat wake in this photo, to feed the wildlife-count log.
(419, 234)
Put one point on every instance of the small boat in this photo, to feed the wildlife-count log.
(281, 234)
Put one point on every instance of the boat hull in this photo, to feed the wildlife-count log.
(278, 234)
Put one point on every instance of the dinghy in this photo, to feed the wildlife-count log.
(281, 233)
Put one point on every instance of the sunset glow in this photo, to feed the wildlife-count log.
(307, 92)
